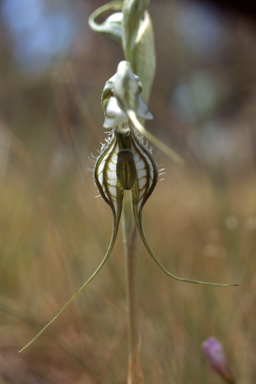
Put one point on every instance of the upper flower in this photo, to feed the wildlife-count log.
(121, 95)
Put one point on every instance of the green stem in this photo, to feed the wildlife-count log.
(130, 236)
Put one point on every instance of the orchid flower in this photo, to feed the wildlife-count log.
(125, 163)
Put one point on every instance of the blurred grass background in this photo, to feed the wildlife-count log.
(201, 220)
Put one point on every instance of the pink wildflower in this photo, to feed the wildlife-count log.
(216, 358)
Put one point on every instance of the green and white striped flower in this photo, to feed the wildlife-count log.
(125, 163)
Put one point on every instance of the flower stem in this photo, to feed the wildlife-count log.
(130, 236)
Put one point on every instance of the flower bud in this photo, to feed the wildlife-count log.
(215, 355)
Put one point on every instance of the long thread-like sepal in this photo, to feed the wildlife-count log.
(138, 219)
(158, 143)
(113, 195)
(146, 181)
(111, 245)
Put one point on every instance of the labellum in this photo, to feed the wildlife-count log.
(125, 169)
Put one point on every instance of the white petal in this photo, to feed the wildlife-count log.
(143, 110)
(114, 114)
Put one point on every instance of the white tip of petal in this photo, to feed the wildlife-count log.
(113, 108)
(143, 110)
(114, 114)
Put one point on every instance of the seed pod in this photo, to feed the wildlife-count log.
(126, 169)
